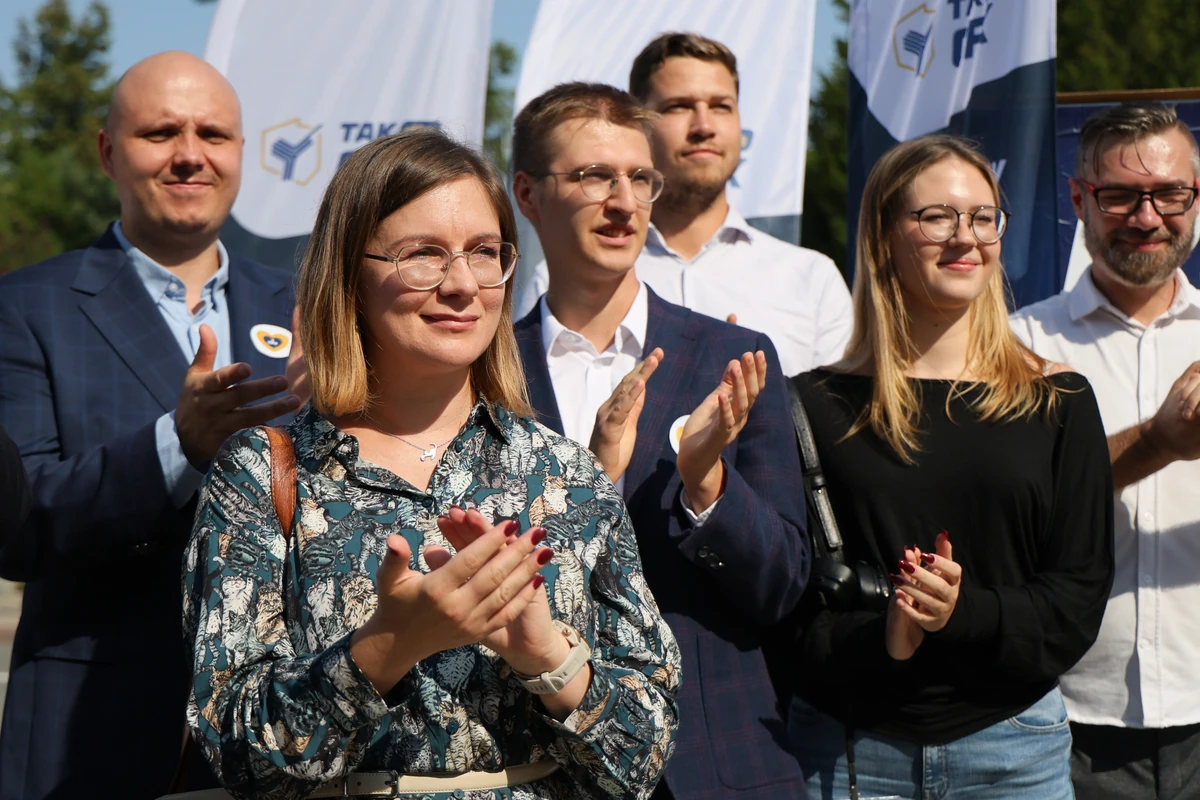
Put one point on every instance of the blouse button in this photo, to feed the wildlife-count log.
(452, 727)
(427, 502)
(460, 794)
(458, 447)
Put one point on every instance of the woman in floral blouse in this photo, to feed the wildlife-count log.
(394, 635)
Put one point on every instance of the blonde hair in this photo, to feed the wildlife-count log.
(1015, 386)
(374, 182)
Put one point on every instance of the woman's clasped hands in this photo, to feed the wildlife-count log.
(488, 592)
(926, 592)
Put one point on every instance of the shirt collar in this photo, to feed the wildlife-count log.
(630, 334)
(317, 438)
(1085, 298)
(160, 281)
(733, 229)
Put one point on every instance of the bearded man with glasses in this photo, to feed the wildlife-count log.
(693, 445)
(1132, 326)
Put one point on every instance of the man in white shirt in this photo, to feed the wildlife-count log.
(1132, 327)
(694, 443)
(700, 252)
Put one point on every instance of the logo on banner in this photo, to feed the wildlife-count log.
(291, 150)
(912, 40)
(971, 34)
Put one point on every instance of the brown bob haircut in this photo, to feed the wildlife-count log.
(677, 45)
(374, 182)
(568, 101)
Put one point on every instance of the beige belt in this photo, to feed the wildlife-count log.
(391, 784)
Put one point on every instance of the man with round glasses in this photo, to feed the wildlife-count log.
(700, 252)
(1132, 326)
(685, 413)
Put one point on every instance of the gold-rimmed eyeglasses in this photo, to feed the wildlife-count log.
(424, 266)
(598, 182)
(939, 222)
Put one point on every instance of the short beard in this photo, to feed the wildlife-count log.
(1138, 269)
(689, 198)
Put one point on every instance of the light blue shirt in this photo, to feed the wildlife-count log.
(170, 297)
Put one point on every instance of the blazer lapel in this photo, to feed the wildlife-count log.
(537, 373)
(666, 328)
(252, 302)
(119, 306)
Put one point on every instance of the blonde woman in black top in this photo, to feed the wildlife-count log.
(976, 474)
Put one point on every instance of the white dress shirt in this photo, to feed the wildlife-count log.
(584, 378)
(796, 296)
(1142, 671)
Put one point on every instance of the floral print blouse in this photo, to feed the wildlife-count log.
(278, 704)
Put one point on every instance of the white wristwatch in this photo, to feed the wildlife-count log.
(553, 682)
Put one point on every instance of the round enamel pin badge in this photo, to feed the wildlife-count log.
(271, 340)
(677, 431)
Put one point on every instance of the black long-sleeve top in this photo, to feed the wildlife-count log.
(1028, 506)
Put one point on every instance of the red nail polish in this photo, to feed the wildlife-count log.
(538, 580)
(538, 535)
(544, 556)
(510, 527)
(896, 579)
(928, 558)
(945, 533)
(907, 567)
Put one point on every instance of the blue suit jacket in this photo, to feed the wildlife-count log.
(97, 685)
(720, 585)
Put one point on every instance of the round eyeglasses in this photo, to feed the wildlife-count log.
(939, 223)
(599, 181)
(425, 266)
(1118, 200)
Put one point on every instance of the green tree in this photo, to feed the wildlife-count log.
(53, 196)
(823, 226)
(1127, 44)
(498, 108)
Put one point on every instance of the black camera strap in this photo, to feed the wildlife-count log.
(830, 538)
(815, 491)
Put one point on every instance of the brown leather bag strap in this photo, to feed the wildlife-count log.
(283, 477)
(283, 492)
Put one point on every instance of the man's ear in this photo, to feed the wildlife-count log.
(1077, 190)
(105, 147)
(525, 193)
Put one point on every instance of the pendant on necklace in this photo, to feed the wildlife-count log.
(430, 453)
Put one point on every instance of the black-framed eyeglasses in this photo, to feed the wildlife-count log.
(940, 222)
(425, 266)
(1120, 200)
(598, 182)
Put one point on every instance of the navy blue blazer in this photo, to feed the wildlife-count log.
(97, 685)
(719, 586)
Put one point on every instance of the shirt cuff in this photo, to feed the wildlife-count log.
(597, 704)
(702, 517)
(181, 478)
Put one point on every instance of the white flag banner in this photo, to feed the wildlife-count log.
(772, 39)
(318, 80)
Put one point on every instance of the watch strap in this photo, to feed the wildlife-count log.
(553, 682)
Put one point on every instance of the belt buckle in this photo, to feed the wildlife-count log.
(394, 783)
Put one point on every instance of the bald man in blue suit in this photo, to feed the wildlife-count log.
(116, 428)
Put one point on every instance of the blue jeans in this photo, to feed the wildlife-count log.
(1026, 756)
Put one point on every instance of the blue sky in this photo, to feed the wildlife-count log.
(143, 27)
